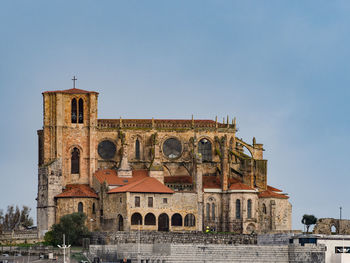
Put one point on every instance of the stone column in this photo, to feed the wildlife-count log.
(199, 189)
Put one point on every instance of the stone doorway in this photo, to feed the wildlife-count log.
(120, 223)
(163, 222)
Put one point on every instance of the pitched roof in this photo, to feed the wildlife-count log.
(71, 91)
(144, 185)
(181, 179)
(77, 190)
(112, 178)
(271, 194)
(212, 182)
(240, 186)
(273, 189)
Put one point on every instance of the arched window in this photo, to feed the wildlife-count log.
(74, 111)
(176, 220)
(190, 220)
(75, 161)
(213, 211)
(249, 208)
(137, 149)
(204, 148)
(238, 209)
(120, 223)
(150, 219)
(81, 111)
(208, 211)
(136, 219)
(93, 208)
(80, 207)
(264, 209)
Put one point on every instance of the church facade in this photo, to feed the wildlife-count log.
(151, 174)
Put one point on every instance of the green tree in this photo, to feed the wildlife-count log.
(308, 220)
(73, 226)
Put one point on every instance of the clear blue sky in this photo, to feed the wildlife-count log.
(280, 67)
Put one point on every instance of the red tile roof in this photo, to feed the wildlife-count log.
(240, 186)
(182, 179)
(271, 194)
(71, 91)
(273, 189)
(212, 182)
(145, 185)
(111, 176)
(77, 190)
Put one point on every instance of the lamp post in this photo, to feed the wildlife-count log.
(64, 247)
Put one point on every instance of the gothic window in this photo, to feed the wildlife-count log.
(204, 148)
(172, 148)
(81, 111)
(150, 201)
(176, 220)
(136, 219)
(150, 219)
(93, 209)
(74, 111)
(264, 209)
(75, 161)
(80, 207)
(137, 201)
(106, 149)
(249, 208)
(208, 211)
(137, 149)
(238, 209)
(213, 211)
(190, 220)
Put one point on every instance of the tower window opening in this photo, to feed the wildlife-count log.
(75, 161)
(81, 111)
(74, 111)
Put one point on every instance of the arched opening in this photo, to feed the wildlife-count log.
(81, 111)
(136, 219)
(208, 211)
(333, 229)
(264, 209)
(190, 220)
(74, 111)
(80, 207)
(163, 222)
(250, 228)
(213, 211)
(238, 209)
(93, 208)
(247, 152)
(75, 161)
(150, 219)
(205, 149)
(249, 209)
(137, 149)
(176, 220)
(120, 223)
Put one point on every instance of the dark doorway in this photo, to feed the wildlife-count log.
(120, 223)
(163, 222)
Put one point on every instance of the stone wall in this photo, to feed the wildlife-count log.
(210, 253)
(18, 237)
(324, 226)
(150, 237)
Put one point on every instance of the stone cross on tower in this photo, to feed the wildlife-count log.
(74, 80)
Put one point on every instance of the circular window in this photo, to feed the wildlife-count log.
(106, 149)
(172, 148)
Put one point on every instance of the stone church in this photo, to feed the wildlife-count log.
(151, 174)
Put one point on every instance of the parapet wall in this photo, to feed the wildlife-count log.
(151, 237)
(19, 236)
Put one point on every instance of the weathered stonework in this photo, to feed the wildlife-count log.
(208, 162)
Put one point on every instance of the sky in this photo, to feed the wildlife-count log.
(280, 67)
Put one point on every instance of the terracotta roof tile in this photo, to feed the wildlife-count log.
(178, 179)
(273, 189)
(144, 185)
(71, 91)
(111, 176)
(271, 194)
(212, 182)
(77, 190)
(240, 186)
